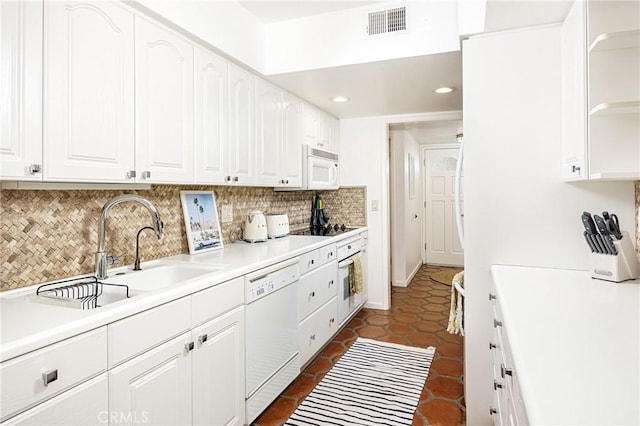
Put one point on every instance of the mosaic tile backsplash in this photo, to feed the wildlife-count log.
(49, 235)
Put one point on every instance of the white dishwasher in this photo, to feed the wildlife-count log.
(271, 312)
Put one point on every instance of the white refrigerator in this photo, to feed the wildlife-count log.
(517, 210)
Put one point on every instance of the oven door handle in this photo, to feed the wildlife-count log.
(345, 263)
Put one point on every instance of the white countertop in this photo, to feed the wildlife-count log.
(575, 343)
(26, 326)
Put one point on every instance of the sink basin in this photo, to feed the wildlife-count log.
(155, 276)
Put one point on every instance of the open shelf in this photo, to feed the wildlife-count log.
(616, 40)
(615, 108)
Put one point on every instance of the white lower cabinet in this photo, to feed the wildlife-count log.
(218, 371)
(86, 404)
(316, 330)
(154, 388)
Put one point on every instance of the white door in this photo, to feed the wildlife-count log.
(88, 91)
(211, 117)
(218, 371)
(291, 152)
(268, 134)
(441, 234)
(21, 90)
(241, 126)
(154, 388)
(164, 105)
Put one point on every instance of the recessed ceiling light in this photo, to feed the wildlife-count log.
(445, 89)
(340, 99)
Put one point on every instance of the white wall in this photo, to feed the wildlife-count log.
(225, 25)
(517, 209)
(338, 38)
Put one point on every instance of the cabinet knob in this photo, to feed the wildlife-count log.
(504, 371)
(312, 337)
(575, 169)
(131, 174)
(34, 169)
(286, 181)
(227, 178)
(332, 320)
(497, 385)
(203, 338)
(235, 178)
(312, 294)
(188, 347)
(49, 376)
(497, 323)
(492, 296)
(146, 174)
(330, 283)
(492, 411)
(492, 345)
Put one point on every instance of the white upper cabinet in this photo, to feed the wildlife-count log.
(601, 91)
(241, 127)
(335, 135)
(309, 125)
(318, 129)
(325, 130)
(211, 130)
(21, 90)
(291, 151)
(268, 134)
(88, 91)
(164, 105)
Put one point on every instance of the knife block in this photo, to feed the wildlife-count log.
(621, 267)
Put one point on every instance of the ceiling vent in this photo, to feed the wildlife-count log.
(387, 21)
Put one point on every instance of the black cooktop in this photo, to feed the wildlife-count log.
(328, 230)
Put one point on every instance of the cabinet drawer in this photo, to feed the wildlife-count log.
(309, 261)
(86, 404)
(316, 330)
(132, 336)
(315, 288)
(328, 253)
(214, 301)
(75, 360)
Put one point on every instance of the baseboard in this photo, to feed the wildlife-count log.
(399, 283)
(378, 306)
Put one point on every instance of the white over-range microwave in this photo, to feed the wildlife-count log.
(319, 168)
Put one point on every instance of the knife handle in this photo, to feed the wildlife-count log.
(597, 239)
(611, 246)
(589, 242)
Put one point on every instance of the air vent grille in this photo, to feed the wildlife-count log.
(387, 21)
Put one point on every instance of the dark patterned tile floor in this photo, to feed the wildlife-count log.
(418, 317)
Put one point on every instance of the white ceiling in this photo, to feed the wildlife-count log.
(399, 86)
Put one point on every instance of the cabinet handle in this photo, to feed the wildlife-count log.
(49, 376)
(330, 283)
(189, 346)
(227, 178)
(203, 338)
(492, 411)
(131, 174)
(34, 169)
(146, 174)
(313, 337)
(497, 323)
(575, 169)
(492, 297)
(235, 178)
(504, 371)
(492, 345)
(497, 385)
(286, 181)
(332, 320)
(312, 294)
(349, 247)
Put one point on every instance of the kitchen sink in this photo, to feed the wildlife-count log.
(158, 275)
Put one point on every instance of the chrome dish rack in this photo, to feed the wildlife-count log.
(81, 293)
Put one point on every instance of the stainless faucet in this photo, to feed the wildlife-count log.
(101, 255)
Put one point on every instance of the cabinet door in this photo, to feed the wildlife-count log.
(241, 126)
(291, 155)
(325, 128)
(574, 137)
(218, 371)
(335, 135)
(268, 134)
(309, 125)
(21, 90)
(88, 91)
(211, 117)
(164, 105)
(86, 404)
(154, 388)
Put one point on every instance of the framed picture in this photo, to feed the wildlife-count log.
(201, 221)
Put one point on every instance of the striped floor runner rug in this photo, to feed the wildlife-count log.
(374, 383)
